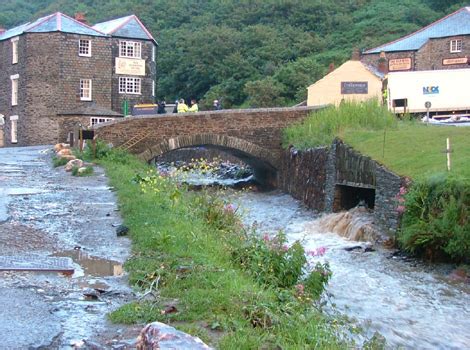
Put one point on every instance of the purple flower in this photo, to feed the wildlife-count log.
(285, 247)
(320, 251)
(266, 237)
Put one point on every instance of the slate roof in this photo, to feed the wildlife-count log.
(457, 23)
(57, 22)
(126, 27)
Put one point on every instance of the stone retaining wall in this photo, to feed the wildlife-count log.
(313, 176)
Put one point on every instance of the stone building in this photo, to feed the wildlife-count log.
(444, 44)
(58, 72)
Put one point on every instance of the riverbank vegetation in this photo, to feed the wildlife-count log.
(205, 273)
(436, 207)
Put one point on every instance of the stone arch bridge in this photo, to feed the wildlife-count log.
(253, 135)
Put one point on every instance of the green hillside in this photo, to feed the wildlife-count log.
(257, 53)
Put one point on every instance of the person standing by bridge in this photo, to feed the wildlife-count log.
(182, 107)
(194, 107)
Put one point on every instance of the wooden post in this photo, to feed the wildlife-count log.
(448, 154)
(81, 139)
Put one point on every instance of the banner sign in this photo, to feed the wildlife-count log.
(397, 64)
(130, 66)
(459, 60)
(354, 87)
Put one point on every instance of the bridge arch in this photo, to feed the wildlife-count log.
(264, 162)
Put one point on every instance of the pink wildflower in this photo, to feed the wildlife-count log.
(320, 251)
(266, 237)
(300, 288)
(285, 247)
(401, 209)
(403, 190)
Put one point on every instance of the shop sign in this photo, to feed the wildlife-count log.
(354, 87)
(130, 66)
(397, 64)
(450, 61)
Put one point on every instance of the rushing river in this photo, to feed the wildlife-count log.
(412, 305)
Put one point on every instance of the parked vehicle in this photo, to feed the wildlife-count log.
(439, 92)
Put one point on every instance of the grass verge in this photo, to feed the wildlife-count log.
(181, 251)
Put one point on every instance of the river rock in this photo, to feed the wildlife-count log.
(158, 335)
(61, 146)
(81, 170)
(73, 163)
(64, 152)
(122, 230)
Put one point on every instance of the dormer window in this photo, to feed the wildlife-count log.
(84, 47)
(14, 50)
(456, 45)
(131, 49)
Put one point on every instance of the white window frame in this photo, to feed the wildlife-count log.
(85, 91)
(14, 89)
(130, 49)
(14, 128)
(98, 120)
(153, 88)
(154, 52)
(456, 45)
(130, 85)
(14, 49)
(84, 50)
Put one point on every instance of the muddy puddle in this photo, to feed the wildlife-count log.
(91, 265)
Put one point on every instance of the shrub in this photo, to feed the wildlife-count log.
(271, 262)
(87, 172)
(435, 222)
(59, 161)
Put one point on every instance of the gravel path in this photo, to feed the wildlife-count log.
(46, 212)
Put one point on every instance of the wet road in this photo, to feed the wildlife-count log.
(46, 212)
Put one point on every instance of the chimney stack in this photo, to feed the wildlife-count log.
(356, 54)
(331, 67)
(383, 63)
(80, 17)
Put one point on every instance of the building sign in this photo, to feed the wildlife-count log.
(130, 66)
(399, 64)
(449, 61)
(430, 90)
(354, 87)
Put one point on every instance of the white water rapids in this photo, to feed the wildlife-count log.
(414, 306)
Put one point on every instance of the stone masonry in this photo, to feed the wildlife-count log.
(429, 57)
(313, 175)
(49, 71)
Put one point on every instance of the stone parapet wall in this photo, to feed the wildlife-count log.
(260, 127)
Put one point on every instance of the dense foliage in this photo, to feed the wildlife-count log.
(436, 215)
(259, 53)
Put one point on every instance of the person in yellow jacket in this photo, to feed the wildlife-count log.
(182, 107)
(194, 107)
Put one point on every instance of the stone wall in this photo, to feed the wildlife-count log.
(259, 127)
(303, 176)
(313, 176)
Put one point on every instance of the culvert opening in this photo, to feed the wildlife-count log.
(348, 197)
